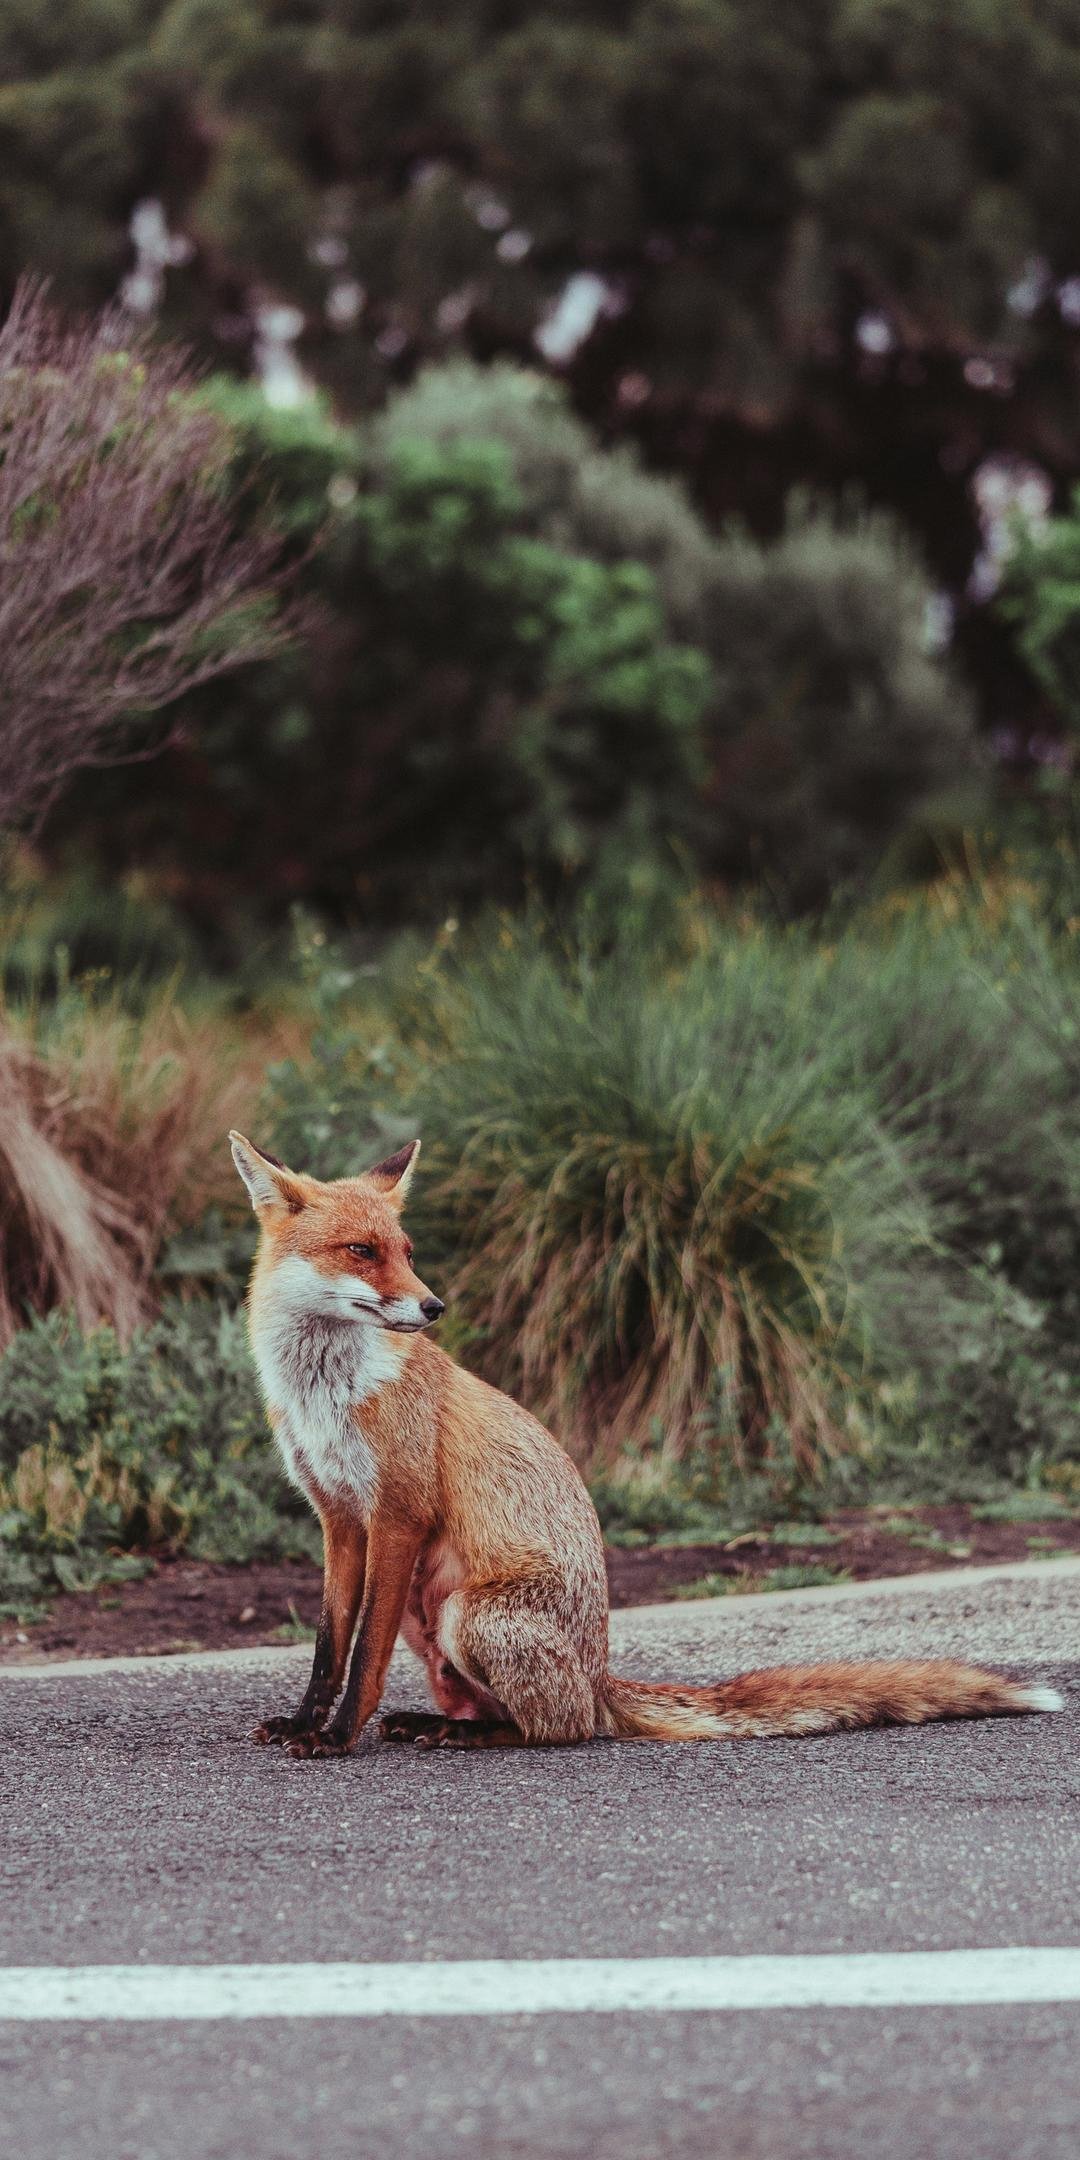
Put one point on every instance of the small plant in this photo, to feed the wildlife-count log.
(643, 1498)
(715, 1585)
(1022, 1507)
(920, 1535)
(802, 1533)
(812, 1576)
(777, 1578)
(1040, 597)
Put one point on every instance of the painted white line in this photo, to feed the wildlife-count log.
(515, 1987)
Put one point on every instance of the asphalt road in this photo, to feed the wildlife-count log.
(140, 1827)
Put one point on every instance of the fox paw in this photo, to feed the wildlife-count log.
(314, 1745)
(274, 1730)
(429, 1729)
(452, 1732)
(409, 1724)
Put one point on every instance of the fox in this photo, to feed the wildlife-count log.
(451, 1516)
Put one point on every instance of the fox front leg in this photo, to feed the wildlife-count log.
(392, 1551)
(344, 1547)
(316, 1703)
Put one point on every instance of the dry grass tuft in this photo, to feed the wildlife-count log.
(111, 1138)
(654, 1211)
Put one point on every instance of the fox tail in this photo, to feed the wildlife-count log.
(793, 1700)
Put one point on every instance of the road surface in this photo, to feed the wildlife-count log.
(140, 1829)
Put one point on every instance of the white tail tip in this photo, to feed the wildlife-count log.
(1041, 1698)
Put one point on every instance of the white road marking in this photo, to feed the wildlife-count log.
(506, 1987)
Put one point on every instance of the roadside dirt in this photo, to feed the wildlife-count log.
(194, 1605)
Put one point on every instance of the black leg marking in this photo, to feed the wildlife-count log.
(312, 1713)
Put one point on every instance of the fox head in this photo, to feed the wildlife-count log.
(340, 1248)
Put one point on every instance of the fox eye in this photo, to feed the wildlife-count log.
(363, 1252)
(408, 1254)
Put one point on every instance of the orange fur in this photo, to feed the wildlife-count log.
(451, 1513)
(787, 1700)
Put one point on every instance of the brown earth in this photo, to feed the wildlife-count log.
(196, 1605)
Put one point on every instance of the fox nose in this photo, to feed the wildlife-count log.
(431, 1307)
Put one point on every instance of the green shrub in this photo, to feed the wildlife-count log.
(541, 704)
(477, 707)
(106, 1453)
(1040, 597)
(78, 926)
(965, 1032)
(835, 728)
(531, 665)
(572, 491)
(642, 1498)
(832, 728)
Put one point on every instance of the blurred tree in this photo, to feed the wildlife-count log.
(802, 244)
(575, 490)
(124, 582)
(838, 735)
(834, 727)
(480, 707)
(533, 661)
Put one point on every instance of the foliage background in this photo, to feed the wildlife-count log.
(657, 432)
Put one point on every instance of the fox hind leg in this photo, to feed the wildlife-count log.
(453, 1694)
(407, 1725)
(429, 1729)
(463, 1733)
(536, 1688)
(459, 1701)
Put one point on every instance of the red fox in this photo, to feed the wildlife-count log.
(450, 1514)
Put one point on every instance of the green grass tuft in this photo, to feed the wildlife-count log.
(777, 1578)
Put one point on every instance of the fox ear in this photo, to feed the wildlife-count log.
(393, 1177)
(268, 1182)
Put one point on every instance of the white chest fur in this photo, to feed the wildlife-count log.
(316, 1369)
